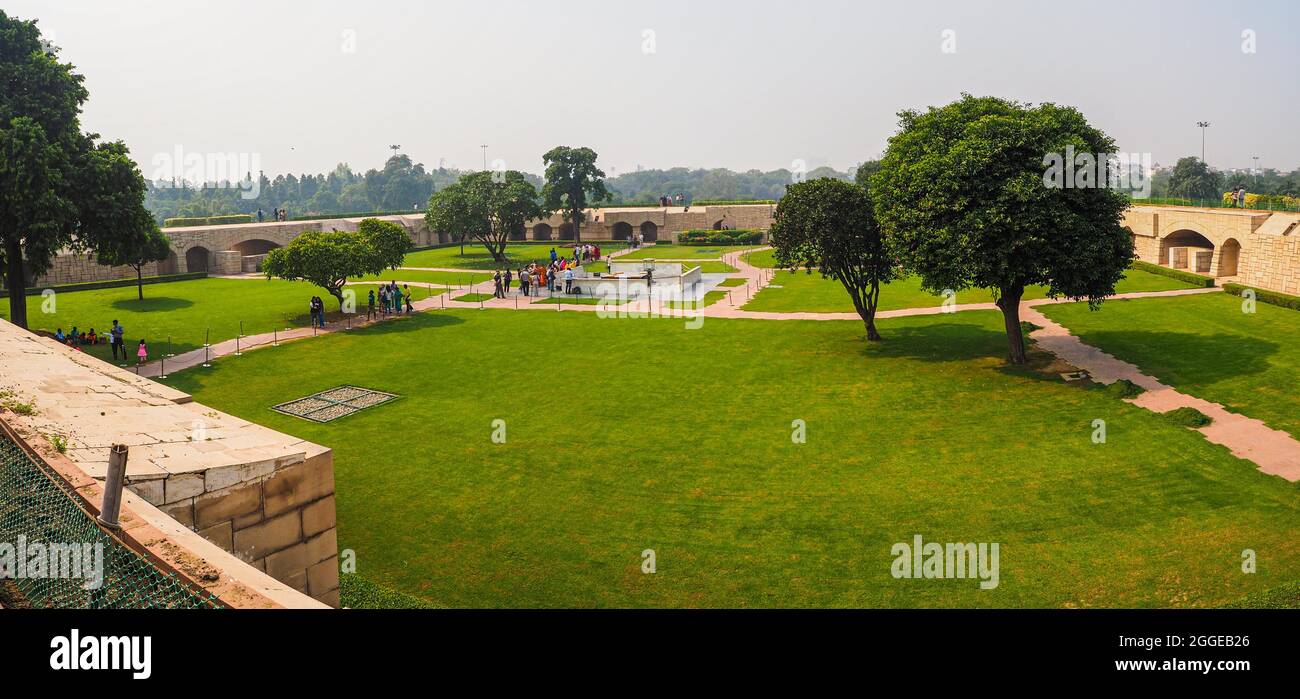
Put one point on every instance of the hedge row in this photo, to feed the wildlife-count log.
(712, 237)
(1178, 274)
(730, 202)
(113, 283)
(1271, 297)
(226, 220)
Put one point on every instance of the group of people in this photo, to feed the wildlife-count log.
(390, 297)
(276, 215)
(115, 337)
(670, 200)
(317, 308)
(537, 276)
(1238, 195)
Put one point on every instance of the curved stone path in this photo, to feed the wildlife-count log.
(1275, 452)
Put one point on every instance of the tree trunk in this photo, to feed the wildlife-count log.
(337, 294)
(1009, 302)
(15, 279)
(872, 334)
(139, 282)
(577, 227)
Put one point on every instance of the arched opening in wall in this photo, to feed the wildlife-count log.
(717, 225)
(622, 230)
(1186, 249)
(542, 231)
(649, 232)
(566, 231)
(254, 247)
(518, 234)
(196, 259)
(1229, 255)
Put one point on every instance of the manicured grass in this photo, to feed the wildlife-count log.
(710, 298)
(579, 301)
(477, 257)
(473, 298)
(1205, 346)
(683, 252)
(679, 440)
(420, 292)
(801, 291)
(442, 278)
(181, 310)
(735, 281)
(762, 258)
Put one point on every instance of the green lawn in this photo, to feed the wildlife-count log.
(925, 433)
(800, 291)
(737, 281)
(762, 258)
(181, 310)
(683, 252)
(413, 275)
(1204, 345)
(477, 257)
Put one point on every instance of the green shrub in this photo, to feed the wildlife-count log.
(1125, 389)
(744, 236)
(1270, 297)
(1188, 417)
(112, 283)
(1284, 597)
(1189, 277)
(224, 220)
(730, 202)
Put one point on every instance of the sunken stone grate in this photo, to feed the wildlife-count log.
(334, 403)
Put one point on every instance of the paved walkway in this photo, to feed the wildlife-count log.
(1274, 451)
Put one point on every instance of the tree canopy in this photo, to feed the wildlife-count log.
(1193, 179)
(58, 190)
(829, 225)
(486, 206)
(329, 259)
(962, 199)
(573, 183)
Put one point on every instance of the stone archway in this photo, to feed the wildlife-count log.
(649, 232)
(197, 259)
(255, 246)
(622, 230)
(1187, 249)
(1229, 256)
(542, 231)
(566, 231)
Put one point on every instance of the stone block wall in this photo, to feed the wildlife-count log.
(79, 268)
(1273, 263)
(276, 515)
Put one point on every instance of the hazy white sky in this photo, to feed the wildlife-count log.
(738, 84)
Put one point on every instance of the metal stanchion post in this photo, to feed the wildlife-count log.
(275, 337)
(162, 374)
(207, 343)
(170, 353)
(111, 506)
(239, 337)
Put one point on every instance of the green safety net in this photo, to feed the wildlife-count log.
(41, 517)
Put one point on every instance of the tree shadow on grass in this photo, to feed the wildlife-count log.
(948, 341)
(423, 320)
(149, 304)
(1191, 358)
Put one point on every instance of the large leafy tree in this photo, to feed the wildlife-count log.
(963, 200)
(1193, 179)
(485, 206)
(126, 234)
(573, 182)
(829, 225)
(41, 145)
(328, 260)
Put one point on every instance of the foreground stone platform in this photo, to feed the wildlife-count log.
(264, 496)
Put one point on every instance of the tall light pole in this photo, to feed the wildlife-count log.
(394, 148)
(484, 147)
(1204, 125)
(1256, 159)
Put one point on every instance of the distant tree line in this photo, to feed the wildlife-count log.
(404, 185)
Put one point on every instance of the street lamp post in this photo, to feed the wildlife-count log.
(1256, 159)
(484, 147)
(1204, 125)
